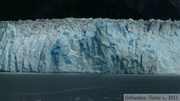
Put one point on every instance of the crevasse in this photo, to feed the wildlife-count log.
(90, 46)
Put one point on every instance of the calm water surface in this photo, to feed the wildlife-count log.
(82, 87)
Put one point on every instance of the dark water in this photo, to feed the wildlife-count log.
(82, 87)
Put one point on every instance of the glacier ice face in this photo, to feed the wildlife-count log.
(90, 45)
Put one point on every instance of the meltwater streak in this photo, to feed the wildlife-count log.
(82, 87)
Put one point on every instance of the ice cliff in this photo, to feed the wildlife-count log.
(90, 45)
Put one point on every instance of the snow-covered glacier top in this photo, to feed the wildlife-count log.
(90, 45)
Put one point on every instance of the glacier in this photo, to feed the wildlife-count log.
(86, 45)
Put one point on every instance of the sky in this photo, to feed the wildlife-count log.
(114, 9)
